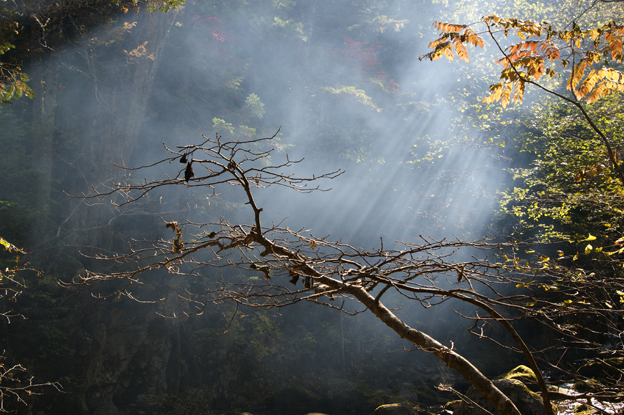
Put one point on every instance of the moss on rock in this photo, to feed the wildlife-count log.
(395, 409)
(527, 401)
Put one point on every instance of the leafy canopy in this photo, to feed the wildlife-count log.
(540, 52)
(12, 79)
(567, 191)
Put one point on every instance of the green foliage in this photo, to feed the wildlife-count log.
(572, 186)
(220, 125)
(231, 132)
(568, 189)
(254, 106)
(9, 246)
(291, 26)
(13, 82)
(14, 86)
(163, 6)
(358, 94)
(9, 268)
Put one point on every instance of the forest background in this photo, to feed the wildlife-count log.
(423, 155)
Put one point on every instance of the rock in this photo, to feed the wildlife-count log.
(148, 400)
(294, 398)
(395, 409)
(452, 406)
(527, 402)
(349, 398)
(409, 392)
(599, 368)
(105, 406)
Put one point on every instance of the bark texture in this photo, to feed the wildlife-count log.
(121, 90)
(45, 84)
(452, 359)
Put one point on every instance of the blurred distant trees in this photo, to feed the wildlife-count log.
(48, 42)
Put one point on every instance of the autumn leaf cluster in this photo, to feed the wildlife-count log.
(583, 56)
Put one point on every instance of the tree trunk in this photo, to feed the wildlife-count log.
(122, 93)
(45, 85)
(121, 90)
(452, 359)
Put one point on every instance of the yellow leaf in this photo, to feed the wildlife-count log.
(461, 50)
(588, 248)
(448, 27)
(577, 73)
(594, 33)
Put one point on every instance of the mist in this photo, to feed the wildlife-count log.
(394, 113)
(343, 96)
(344, 85)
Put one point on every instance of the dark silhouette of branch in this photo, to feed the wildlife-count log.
(282, 266)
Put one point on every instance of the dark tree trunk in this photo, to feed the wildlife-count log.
(122, 93)
(121, 89)
(45, 84)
